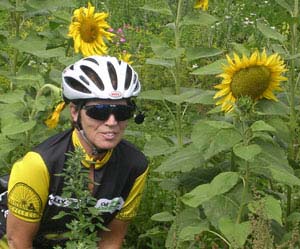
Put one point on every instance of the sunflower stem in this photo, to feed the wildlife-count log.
(177, 35)
(293, 118)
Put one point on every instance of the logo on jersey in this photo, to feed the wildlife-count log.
(25, 202)
(103, 205)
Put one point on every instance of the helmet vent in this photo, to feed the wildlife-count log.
(113, 75)
(84, 79)
(93, 76)
(92, 60)
(72, 67)
(76, 85)
(128, 77)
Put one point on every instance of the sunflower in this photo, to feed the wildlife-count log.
(256, 77)
(88, 30)
(201, 4)
(53, 119)
(125, 56)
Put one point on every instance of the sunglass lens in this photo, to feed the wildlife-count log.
(102, 112)
(98, 113)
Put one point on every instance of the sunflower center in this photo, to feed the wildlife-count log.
(88, 31)
(251, 81)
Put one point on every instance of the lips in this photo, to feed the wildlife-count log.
(109, 135)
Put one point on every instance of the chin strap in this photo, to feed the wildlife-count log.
(95, 151)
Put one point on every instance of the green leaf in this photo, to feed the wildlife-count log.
(22, 127)
(158, 6)
(219, 124)
(261, 125)
(49, 53)
(285, 5)
(197, 53)
(236, 233)
(12, 97)
(209, 137)
(283, 176)
(7, 145)
(187, 217)
(240, 48)
(204, 97)
(247, 152)
(199, 19)
(6, 5)
(211, 69)
(219, 185)
(181, 98)
(152, 95)
(269, 207)
(188, 233)
(183, 160)
(161, 62)
(220, 206)
(30, 45)
(158, 146)
(164, 51)
(268, 107)
(218, 144)
(270, 33)
(50, 5)
(163, 216)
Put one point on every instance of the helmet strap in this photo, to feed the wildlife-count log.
(95, 151)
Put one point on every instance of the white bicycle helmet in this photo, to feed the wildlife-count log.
(99, 77)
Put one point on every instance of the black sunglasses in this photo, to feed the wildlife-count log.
(103, 111)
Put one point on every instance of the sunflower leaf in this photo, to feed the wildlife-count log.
(247, 152)
(204, 192)
(152, 95)
(22, 127)
(262, 126)
(159, 6)
(197, 53)
(183, 160)
(200, 18)
(269, 206)
(285, 5)
(269, 32)
(211, 69)
(236, 233)
(161, 62)
(162, 216)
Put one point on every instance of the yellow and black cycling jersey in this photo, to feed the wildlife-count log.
(35, 185)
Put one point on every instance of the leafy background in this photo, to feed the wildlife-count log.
(216, 181)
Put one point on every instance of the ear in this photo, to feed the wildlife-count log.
(74, 112)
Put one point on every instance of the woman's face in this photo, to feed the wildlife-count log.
(103, 134)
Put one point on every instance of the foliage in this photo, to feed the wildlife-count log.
(86, 219)
(214, 177)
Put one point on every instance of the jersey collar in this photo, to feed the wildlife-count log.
(88, 159)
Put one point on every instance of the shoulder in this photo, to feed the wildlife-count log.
(130, 154)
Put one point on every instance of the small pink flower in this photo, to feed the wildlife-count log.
(120, 31)
(122, 39)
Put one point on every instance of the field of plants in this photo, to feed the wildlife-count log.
(220, 94)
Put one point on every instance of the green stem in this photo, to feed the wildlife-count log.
(220, 236)
(177, 35)
(244, 194)
(293, 119)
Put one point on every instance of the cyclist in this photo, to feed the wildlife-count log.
(99, 90)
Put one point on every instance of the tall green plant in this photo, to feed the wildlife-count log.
(254, 150)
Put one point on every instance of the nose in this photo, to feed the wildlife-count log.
(111, 120)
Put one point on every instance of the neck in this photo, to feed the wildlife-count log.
(89, 147)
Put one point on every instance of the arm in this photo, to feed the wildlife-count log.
(113, 239)
(20, 233)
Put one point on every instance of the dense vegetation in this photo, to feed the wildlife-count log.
(217, 180)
